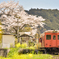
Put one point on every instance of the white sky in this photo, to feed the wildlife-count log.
(44, 4)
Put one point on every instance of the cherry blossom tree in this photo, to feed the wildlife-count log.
(13, 17)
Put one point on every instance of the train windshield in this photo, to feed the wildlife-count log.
(58, 37)
(48, 37)
(54, 37)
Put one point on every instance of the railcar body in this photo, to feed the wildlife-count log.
(50, 39)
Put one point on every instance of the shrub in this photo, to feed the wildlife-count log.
(18, 45)
(24, 45)
(12, 51)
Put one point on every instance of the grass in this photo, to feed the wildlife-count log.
(29, 56)
(13, 54)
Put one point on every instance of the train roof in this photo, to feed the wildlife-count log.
(49, 31)
(52, 31)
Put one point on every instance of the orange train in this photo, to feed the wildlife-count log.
(50, 40)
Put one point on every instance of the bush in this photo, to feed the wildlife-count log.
(24, 45)
(12, 51)
(18, 45)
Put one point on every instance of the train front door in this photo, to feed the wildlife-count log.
(54, 40)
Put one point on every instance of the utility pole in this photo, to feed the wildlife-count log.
(38, 36)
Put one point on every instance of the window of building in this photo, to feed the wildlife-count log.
(58, 37)
(48, 37)
(54, 37)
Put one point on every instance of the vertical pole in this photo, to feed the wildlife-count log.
(37, 40)
(38, 36)
(0, 36)
(18, 30)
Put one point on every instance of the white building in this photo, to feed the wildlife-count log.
(8, 40)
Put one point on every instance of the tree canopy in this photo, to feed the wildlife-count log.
(13, 17)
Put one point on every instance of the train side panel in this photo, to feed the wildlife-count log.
(50, 40)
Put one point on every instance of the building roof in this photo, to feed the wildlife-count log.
(21, 33)
(25, 35)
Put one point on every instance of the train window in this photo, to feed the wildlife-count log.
(58, 37)
(54, 37)
(48, 37)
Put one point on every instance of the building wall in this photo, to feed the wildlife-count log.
(8, 40)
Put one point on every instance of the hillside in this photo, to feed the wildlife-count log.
(51, 16)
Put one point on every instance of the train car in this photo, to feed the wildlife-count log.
(50, 40)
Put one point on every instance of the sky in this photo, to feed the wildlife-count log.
(41, 4)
